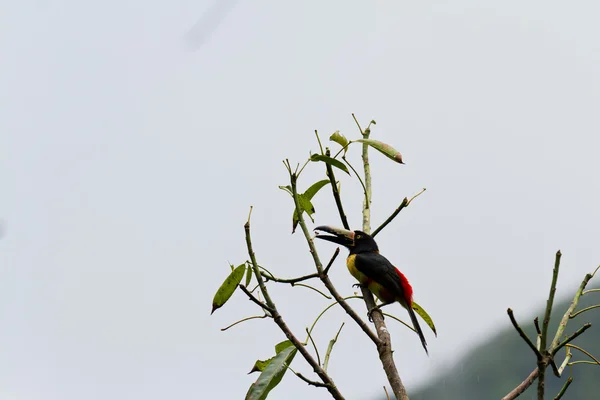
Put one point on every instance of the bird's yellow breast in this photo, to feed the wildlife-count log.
(375, 288)
(350, 263)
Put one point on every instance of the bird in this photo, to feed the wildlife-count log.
(374, 271)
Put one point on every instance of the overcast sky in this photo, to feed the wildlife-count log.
(136, 134)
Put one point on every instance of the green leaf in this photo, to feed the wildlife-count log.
(384, 148)
(248, 274)
(311, 191)
(228, 287)
(419, 310)
(271, 375)
(329, 160)
(279, 347)
(340, 139)
(287, 188)
(305, 205)
(260, 365)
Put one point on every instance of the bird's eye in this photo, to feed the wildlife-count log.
(358, 236)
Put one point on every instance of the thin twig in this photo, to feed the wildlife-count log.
(399, 320)
(314, 346)
(312, 383)
(523, 335)
(584, 352)
(330, 348)
(391, 217)
(405, 203)
(336, 194)
(291, 281)
(387, 395)
(584, 310)
(591, 291)
(257, 301)
(583, 362)
(536, 322)
(367, 201)
(327, 309)
(564, 388)
(313, 288)
(330, 263)
(244, 319)
(570, 338)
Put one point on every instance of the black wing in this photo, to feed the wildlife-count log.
(378, 268)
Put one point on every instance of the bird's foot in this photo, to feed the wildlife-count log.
(370, 313)
(356, 285)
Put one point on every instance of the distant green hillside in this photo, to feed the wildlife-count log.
(494, 368)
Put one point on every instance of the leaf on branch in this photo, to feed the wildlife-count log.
(305, 201)
(419, 310)
(315, 187)
(287, 188)
(383, 148)
(228, 287)
(331, 161)
(248, 274)
(340, 139)
(260, 365)
(272, 372)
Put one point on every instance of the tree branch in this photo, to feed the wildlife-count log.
(257, 301)
(405, 203)
(336, 194)
(564, 388)
(317, 261)
(523, 386)
(329, 384)
(384, 347)
(570, 338)
(523, 335)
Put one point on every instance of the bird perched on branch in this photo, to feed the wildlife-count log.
(374, 271)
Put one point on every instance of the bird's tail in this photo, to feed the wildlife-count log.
(415, 322)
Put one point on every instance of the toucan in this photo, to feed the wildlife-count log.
(374, 271)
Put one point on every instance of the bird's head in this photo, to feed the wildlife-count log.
(355, 241)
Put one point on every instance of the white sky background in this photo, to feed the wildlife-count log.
(133, 140)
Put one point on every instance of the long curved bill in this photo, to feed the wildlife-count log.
(337, 235)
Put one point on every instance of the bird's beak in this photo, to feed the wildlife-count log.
(340, 236)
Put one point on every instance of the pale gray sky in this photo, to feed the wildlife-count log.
(134, 139)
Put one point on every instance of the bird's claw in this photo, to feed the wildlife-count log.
(356, 285)
(370, 313)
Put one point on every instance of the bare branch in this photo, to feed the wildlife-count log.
(257, 301)
(244, 319)
(523, 386)
(564, 388)
(330, 348)
(584, 310)
(313, 288)
(523, 335)
(570, 338)
(312, 383)
(290, 281)
(584, 352)
(336, 194)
